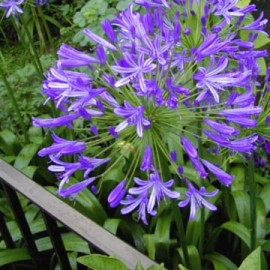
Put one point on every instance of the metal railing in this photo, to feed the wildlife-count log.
(53, 209)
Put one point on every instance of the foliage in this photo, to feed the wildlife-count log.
(236, 236)
(90, 16)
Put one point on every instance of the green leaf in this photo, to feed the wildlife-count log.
(238, 229)
(29, 171)
(139, 266)
(13, 255)
(219, 259)
(115, 174)
(25, 156)
(150, 245)
(260, 221)
(261, 62)
(35, 135)
(9, 143)
(264, 195)
(194, 257)
(123, 4)
(266, 246)
(243, 3)
(239, 173)
(156, 267)
(112, 224)
(163, 242)
(252, 261)
(102, 262)
(241, 200)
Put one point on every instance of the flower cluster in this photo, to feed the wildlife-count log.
(164, 84)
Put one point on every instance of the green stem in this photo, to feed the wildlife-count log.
(202, 228)
(182, 235)
(252, 206)
(15, 105)
(31, 43)
(47, 29)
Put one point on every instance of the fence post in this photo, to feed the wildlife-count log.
(57, 242)
(24, 227)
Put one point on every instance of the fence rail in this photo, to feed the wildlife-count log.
(54, 209)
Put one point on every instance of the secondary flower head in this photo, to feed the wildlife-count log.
(154, 97)
(12, 7)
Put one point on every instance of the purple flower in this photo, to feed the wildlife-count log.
(71, 57)
(41, 2)
(76, 188)
(198, 166)
(196, 200)
(211, 45)
(107, 28)
(12, 7)
(244, 145)
(60, 85)
(55, 122)
(134, 117)
(222, 128)
(173, 156)
(99, 40)
(189, 148)
(147, 159)
(225, 178)
(226, 8)
(67, 169)
(153, 3)
(257, 25)
(212, 79)
(148, 85)
(117, 194)
(155, 187)
(62, 147)
(246, 111)
(131, 203)
(133, 70)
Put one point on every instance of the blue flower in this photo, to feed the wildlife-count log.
(196, 200)
(134, 117)
(117, 194)
(150, 91)
(62, 147)
(12, 7)
(150, 192)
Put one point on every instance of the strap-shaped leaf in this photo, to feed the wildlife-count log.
(102, 262)
(13, 255)
(252, 261)
(220, 260)
(238, 229)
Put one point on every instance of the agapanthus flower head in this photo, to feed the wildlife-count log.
(12, 7)
(156, 95)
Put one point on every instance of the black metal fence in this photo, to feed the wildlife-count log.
(53, 210)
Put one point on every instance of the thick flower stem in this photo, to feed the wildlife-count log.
(15, 105)
(252, 206)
